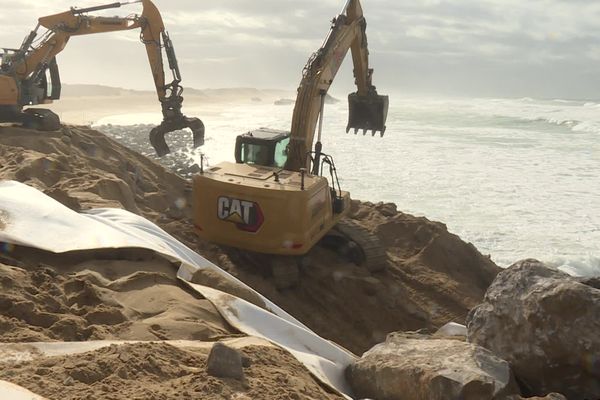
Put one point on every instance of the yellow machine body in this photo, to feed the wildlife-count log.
(264, 209)
(9, 92)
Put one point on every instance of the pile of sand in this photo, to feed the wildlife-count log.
(100, 295)
(127, 294)
(160, 371)
(433, 278)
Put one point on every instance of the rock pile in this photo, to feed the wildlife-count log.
(535, 334)
(419, 367)
(545, 323)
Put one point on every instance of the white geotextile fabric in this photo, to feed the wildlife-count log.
(35, 220)
(9, 391)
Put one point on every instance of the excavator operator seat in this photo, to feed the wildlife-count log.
(266, 147)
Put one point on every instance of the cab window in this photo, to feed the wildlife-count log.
(281, 152)
(255, 154)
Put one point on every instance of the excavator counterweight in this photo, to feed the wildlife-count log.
(367, 113)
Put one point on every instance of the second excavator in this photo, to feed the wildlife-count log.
(275, 199)
(29, 75)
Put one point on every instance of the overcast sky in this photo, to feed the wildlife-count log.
(535, 48)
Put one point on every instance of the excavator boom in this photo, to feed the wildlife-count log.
(367, 110)
(28, 65)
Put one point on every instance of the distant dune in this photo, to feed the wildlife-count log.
(86, 90)
(83, 90)
(85, 104)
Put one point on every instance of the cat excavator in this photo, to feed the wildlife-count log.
(29, 75)
(275, 199)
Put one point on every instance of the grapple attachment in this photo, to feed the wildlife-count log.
(157, 135)
(368, 113)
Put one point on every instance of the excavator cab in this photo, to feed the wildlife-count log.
(367, 113)
(266, 147)
(43, 88)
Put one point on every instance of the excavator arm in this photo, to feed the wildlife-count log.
(367, 109)
(29, 63)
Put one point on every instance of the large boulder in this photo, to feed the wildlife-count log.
(545, 324)
(419, 367)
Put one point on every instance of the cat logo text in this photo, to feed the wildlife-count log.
(246, 215)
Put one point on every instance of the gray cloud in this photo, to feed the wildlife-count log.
(544, 48)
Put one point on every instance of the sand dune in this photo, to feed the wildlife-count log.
(85, 104)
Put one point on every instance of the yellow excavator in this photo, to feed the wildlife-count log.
(29, 75)
(275, 199)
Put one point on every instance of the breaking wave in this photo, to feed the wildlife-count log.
(588, 266)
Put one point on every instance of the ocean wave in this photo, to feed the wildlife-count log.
(586, 266)
(576, 115)
(591, 104)
(577, 119)
(572, 124)
(562, 101)
(587, 126)
(556, 121)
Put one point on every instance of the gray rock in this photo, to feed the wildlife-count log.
(545, 324)
(590, 281)
(225, 362)
(419, 367)
(452, 329)
(194, 169)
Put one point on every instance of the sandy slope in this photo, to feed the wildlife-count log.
(102, 295)
(161, 371)
(127, 294)
(434, 277)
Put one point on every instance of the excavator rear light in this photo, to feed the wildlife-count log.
(367, 113)
(288, 244)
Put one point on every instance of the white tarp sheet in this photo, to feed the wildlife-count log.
(30, 218)
(9, 391)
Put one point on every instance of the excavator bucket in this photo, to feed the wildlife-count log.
(157, 135)
(367, 113)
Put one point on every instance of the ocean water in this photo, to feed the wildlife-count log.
(518, 178)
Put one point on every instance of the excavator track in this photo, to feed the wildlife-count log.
(40, 119)
(365, 248)
(284, 271)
